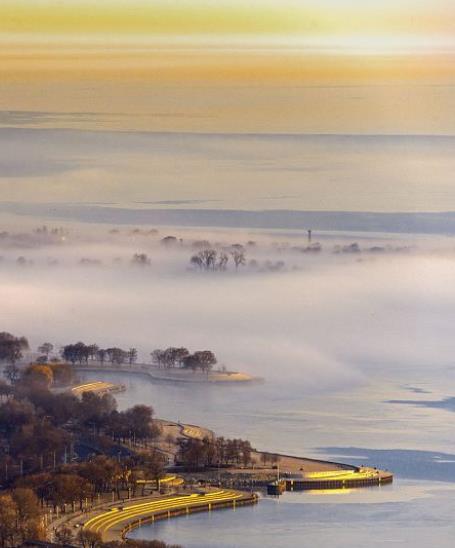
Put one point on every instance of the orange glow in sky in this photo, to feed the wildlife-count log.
(125, 56)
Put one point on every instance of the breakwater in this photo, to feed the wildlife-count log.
(360, 477)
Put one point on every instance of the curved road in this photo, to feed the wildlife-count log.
(111, 524)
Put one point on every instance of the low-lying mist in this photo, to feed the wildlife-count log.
(326, 316)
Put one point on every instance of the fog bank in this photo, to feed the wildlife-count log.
(327, 319)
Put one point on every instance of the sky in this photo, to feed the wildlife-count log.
(234, 66)
(424, 18)
(227, 67)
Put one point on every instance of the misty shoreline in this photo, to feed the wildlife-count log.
(165, 375)
(425, 222)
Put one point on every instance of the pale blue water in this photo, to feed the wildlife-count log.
(357, 426)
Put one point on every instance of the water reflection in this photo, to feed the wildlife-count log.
(425, 465)
(418, 514)
(415, 442)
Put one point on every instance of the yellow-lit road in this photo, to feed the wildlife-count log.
(193, 432)
(96, 386)
(118, 518)
(169, 479)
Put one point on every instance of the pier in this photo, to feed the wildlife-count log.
(336, 479)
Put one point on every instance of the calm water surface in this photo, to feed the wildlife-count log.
(397, 424)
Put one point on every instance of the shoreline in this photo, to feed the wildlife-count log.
(115, 523)
(178, 375)
(216, 488)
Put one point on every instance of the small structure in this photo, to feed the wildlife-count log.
(332, 479)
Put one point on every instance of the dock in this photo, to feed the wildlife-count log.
(336, 479)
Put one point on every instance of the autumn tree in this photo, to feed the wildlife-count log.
(8, 510)
(68, 488)
(39, 440)
(153, 464)
(62, 372)
(20, 517)
(28, 514)
(101, 471)
(39, 374)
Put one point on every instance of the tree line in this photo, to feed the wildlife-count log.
(211, 259)
(210, 452)
(83, 353)
(41, 433)
(12, 349)
(181, 357)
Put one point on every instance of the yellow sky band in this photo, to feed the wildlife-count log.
(342, 17)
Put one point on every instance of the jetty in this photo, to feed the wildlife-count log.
(335, 479)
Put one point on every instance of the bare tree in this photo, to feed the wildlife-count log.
(140, 259)
(89, 539)
(222, 261)
(169, 439)
(132, 355)
(101, 355)
(12, 373)
(11, 347)
(206, 259)
(238, 255)
(64, 535)
(116, 355)
(157, 357)
(46, 348)
(197, 261)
